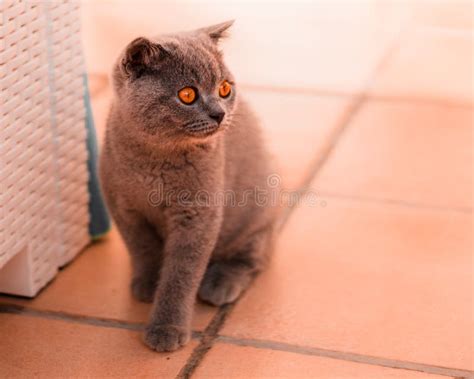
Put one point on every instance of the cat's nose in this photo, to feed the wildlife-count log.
(218, 116)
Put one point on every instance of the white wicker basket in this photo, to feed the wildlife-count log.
(43, 156)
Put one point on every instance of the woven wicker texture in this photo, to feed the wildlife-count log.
(69, 126)
(43, 173)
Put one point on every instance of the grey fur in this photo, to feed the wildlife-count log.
(155, 145)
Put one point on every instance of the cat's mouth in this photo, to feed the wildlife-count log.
(201, 128)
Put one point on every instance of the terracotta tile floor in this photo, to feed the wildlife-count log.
(374, 279)
(412, 74)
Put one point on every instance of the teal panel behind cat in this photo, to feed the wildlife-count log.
(99, 219)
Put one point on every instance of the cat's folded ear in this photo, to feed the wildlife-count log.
(218, 31)
(140, 54)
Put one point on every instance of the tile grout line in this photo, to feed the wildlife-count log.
(21, 310)
(422, 101)
(401, 99)
(317, 163)
(397, 202)
(208, 339)
(212, 329)
(312, 91)
(346, 356)
(358, 101)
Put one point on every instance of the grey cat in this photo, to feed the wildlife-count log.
(177, 135)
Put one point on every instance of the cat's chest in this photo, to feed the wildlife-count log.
(170, 175)
(151, 184)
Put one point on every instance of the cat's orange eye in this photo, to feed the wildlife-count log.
(187, 95)
(225, 88)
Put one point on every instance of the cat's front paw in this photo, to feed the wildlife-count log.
(143, 290)
(166, 337)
